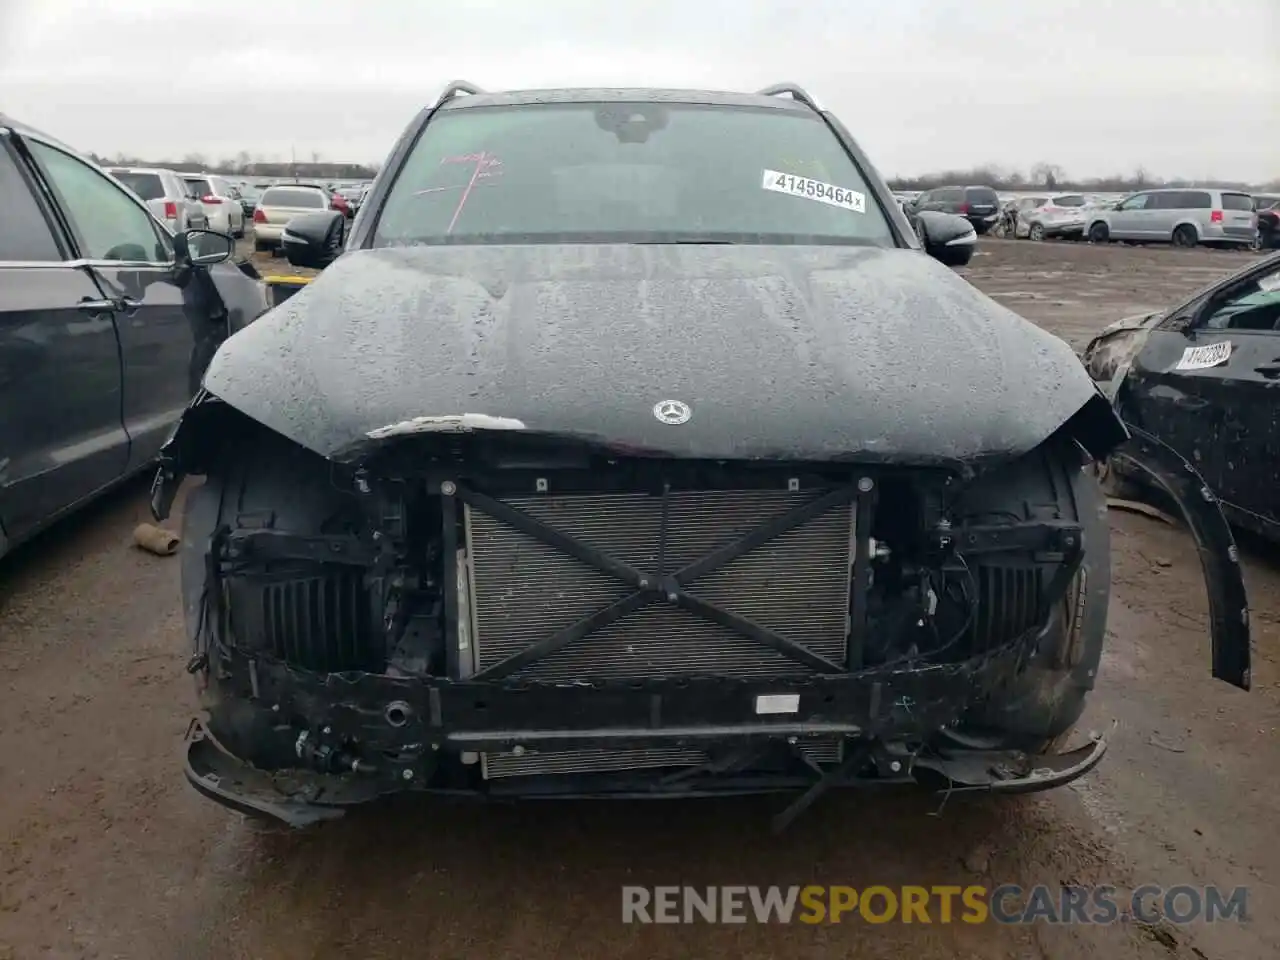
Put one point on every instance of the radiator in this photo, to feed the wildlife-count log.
(522, 590)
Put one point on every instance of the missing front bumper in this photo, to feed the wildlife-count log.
(302, 799)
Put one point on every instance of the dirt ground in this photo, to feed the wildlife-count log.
(106, 853)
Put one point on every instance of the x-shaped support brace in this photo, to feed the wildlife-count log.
(648, 587)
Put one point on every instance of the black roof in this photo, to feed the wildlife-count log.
(622, 94)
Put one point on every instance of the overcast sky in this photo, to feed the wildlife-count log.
(1180, 87)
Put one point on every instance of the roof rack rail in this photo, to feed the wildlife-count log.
(455, 88)
(797, 93)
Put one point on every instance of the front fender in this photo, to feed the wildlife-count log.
(1164, 468)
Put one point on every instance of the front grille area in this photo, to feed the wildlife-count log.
(796, 584)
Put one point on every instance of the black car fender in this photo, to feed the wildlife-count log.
(1162, 467)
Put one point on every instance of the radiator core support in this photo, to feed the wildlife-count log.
(516, 590)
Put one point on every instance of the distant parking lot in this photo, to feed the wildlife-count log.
(1072, 289)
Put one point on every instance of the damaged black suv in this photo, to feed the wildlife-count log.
(635, 442)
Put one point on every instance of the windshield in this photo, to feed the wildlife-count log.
(629, 172)
(202, 187)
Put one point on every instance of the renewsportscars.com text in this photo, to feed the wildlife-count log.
(1007, 903)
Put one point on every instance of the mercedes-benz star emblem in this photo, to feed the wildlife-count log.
(672, 411)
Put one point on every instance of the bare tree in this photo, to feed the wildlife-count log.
(1051, 176)
(1048, 175)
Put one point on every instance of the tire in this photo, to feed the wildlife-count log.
(1036, 232)
(1185, 236)
(1039, 708)
(259, 246)
(1099, 233)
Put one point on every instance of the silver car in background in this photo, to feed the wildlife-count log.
(1048, 216)
(221, 202)
(166, 195)
(280, 204)
(1178, 215)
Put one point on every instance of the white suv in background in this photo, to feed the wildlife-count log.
(1051, 215)
(220, 200)
(166, 195)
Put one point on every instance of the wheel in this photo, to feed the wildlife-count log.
(259, 246)
(1038, 708)
(1185, 236)
(1099, 232)
(1036, 232)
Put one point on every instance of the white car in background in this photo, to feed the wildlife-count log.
(280, 204)
(1052, 215)
(166, 195)
(220, 200)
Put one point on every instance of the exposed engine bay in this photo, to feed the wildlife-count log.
(497, 614)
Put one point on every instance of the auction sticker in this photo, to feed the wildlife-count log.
(827, 193)
(778, 703)
(1201, 358)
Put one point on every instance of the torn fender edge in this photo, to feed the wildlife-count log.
(1166, 469)
(1008, 771)
(176, 459)
(300, 799)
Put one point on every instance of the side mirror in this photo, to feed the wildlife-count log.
(203, 248)
(314, 239)
(946, 237)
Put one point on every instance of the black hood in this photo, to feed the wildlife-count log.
(782, 352)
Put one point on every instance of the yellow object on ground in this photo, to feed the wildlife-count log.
(282, 288)
(157, 540)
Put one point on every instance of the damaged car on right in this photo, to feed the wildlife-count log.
(1203, 377)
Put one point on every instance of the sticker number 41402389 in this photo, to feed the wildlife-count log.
(827, 193)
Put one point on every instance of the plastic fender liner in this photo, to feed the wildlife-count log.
(205, 426)
(1219, 556)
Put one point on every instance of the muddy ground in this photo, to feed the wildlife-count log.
(106, 853)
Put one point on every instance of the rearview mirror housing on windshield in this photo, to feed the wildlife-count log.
(314, 239)
(946, 237)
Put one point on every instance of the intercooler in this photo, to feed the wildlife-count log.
(520, 590)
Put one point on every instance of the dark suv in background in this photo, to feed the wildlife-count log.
(979, 205)
(1268, 207)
